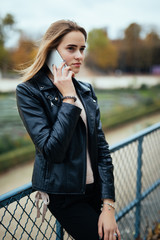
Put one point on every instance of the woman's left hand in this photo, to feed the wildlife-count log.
(107, 226)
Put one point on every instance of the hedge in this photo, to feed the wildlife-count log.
(15, 157)
(114, 120)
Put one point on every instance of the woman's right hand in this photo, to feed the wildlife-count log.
(63, 80)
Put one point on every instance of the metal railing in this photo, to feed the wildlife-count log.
(137, 180)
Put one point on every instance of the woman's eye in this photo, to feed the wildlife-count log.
(82, 49)
(70, 48)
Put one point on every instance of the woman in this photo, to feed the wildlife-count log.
(73, 166)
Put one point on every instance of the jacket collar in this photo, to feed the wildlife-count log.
(43, 81)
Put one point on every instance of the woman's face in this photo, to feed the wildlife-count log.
(72, 49)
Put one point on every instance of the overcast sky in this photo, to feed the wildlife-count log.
(35, 16)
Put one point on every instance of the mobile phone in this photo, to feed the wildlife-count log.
(54, 59)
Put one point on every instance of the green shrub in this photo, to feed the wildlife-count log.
(143, 86)
(17, 156)
(8, 143)
(118, 118)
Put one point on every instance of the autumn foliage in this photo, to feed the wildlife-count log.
(130, 54)
(24, 54)
(102, 54)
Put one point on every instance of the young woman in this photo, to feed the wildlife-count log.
(73, 166)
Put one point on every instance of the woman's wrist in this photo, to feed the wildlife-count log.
(108, 204)
(70, 97)
(108, 210)
(71, 101)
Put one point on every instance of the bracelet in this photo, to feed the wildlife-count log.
(109, 205)
(69, 97)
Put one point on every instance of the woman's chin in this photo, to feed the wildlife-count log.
(76, 71)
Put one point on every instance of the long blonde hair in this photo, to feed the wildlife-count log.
(51, 40)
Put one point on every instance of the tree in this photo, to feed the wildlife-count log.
(24, 54)
(101, 52)
(132, 33)
(135, 54)
(6, 24)
(132, 47)
(152, 43)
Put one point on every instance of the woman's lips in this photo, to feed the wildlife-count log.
(76, 64)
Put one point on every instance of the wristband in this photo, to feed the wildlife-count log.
(69, 97)
(109, 205)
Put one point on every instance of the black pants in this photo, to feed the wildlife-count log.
(78, 214)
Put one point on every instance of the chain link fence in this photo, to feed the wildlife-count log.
(18, 218)
(137, 180)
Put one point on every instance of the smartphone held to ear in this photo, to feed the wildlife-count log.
(54, 59)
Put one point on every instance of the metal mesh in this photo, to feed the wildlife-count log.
(18, 221)
(127, 181)
(125, 160)
(150, 212)
(126, 226)
(137, 182)
(125, 167)
(151, 159)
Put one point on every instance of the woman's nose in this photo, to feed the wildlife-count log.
(79, 55)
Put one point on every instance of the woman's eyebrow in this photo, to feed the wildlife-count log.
(74, 45)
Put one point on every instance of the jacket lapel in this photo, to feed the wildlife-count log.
(43, 82)
(89, 104)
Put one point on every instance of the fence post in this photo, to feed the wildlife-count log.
(138, 190)
(59, 231)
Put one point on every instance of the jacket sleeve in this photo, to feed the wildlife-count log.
(51, 141)
(105, 166)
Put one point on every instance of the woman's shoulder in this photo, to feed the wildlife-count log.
(29, 87)
(26, 85)
(31, 84)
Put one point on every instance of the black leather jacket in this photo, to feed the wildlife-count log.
(59, 135)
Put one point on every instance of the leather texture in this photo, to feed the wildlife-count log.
(59, 136)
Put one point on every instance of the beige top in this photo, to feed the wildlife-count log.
(89, 176)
